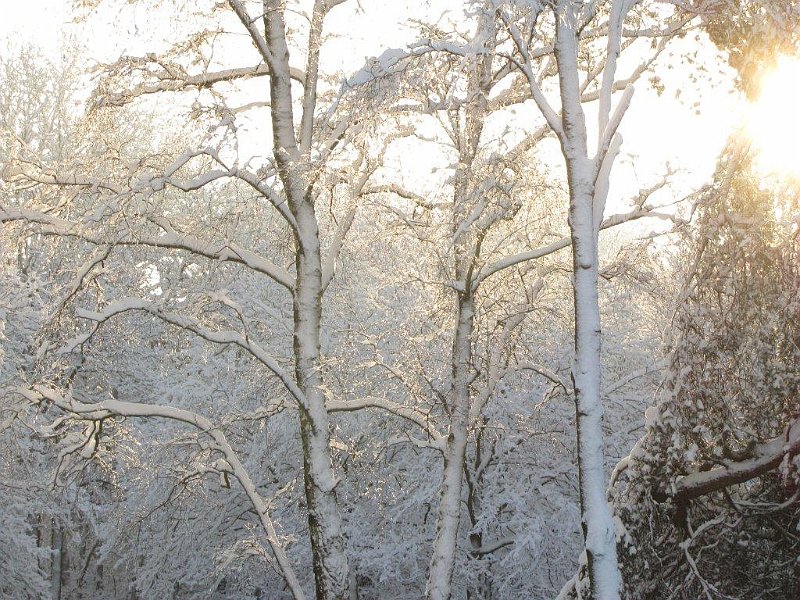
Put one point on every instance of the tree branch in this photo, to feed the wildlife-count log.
(169, 82)
(550, 115)
(255, 35)
(109, 408)
(217, 337)
(763, 458)
(612, 221)
(171, 239)
(408, 413)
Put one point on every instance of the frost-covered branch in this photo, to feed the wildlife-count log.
(218, 337)
(410, 414)
(168, 81)
(312, 73)
(110, 408)
(547, 374)
(560, 244)
(249, 24)
(228, 171)
(342, 229)
(493, 546)
(526, 66)
(614, 39)
(761, 459)
(632, 376)
(170, 239)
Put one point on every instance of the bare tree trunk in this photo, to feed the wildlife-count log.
(56, 559)
(331, 569)
(588, 186)
(598, 526)
(324, 520)
(483, 589)
(444, 547)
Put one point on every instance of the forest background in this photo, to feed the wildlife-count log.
(282, 321)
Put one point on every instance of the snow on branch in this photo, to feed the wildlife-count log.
(218, 337)
(761, 459)
(606, 130)
(560, 244)
(255, 35)
(633, 375)
(621, 84)
(493, 546)
(547, 374)
(393, 60)
(233, 171)
(110, 408)
(526, 66)
(611, 126)
(170, 239)
(410, 414)
(168, 80)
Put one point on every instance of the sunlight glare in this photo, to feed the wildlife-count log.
(774, 122)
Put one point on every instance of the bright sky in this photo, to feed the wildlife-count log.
(774, 121)
(686, 133)
(38, 22)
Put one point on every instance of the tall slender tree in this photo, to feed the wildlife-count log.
(305, 140)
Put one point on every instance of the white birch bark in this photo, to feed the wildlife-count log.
(440, 575)
(331, 569)
(588, 186)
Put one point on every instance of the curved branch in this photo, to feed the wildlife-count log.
(255, 35)
(169, 82)
(493, 546)
(405, 412)
(217, 337)
(171, 239)
(551, 116)
(560, 244)
(108, 408)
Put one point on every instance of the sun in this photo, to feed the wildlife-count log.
(774, 120)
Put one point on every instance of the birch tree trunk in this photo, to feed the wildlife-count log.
(440, 576)
(331, 570)
(588, 185)
(597, 523)
(56, 559)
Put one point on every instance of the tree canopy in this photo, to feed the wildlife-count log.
(271, 328)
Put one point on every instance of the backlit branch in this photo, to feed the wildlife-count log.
(169, 81)
(170, 239)
(412, 415)
(560, 244)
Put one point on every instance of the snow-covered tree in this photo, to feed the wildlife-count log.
(276, 237)
(709, 494)
(242, 327)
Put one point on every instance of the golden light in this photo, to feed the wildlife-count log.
(774, 120)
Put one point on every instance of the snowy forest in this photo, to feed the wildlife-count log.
(362, 299)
